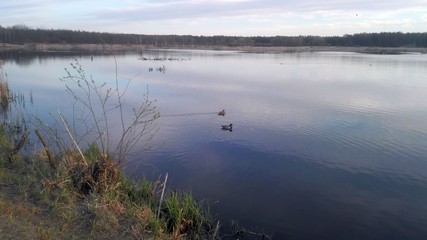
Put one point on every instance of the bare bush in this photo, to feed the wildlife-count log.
(101, 117)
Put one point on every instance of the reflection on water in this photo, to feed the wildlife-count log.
(324, 145)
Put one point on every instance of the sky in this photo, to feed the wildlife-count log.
(220, 17)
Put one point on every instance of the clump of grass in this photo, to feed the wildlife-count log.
(97, 174)
(105, 219)
(44, 234)
(185, 216)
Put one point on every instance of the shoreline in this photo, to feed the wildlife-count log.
(114, 48)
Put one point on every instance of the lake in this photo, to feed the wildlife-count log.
(324, 145)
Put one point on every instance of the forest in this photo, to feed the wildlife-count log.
(22, 34)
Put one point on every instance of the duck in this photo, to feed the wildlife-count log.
(221, 113)
(227, 127)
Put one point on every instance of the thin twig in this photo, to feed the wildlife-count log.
(71, 136)
(21, 143)
(162, 195)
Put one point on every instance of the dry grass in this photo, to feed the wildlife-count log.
(20, 217)
(90, 200)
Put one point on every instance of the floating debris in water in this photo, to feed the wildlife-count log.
(161, 69)
(163, 59)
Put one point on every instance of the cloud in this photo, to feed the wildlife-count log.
(236, 17)
(174, 10)
(251, 9)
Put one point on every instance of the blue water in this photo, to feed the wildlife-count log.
(324, 145)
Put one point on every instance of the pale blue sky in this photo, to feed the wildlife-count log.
(220, 17)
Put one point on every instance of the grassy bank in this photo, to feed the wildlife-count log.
(90, 199)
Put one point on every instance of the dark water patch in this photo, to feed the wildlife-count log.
(298, 197)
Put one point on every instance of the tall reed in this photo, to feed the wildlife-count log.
(4, 94)
(4, 86)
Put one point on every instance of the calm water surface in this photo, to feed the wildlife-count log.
(324, 145)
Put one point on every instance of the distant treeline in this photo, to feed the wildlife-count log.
(21, 34)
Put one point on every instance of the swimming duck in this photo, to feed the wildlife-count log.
(227, 127)
(221, 113)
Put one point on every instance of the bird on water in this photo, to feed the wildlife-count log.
(227, 127)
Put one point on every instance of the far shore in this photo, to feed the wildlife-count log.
(111, 48)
